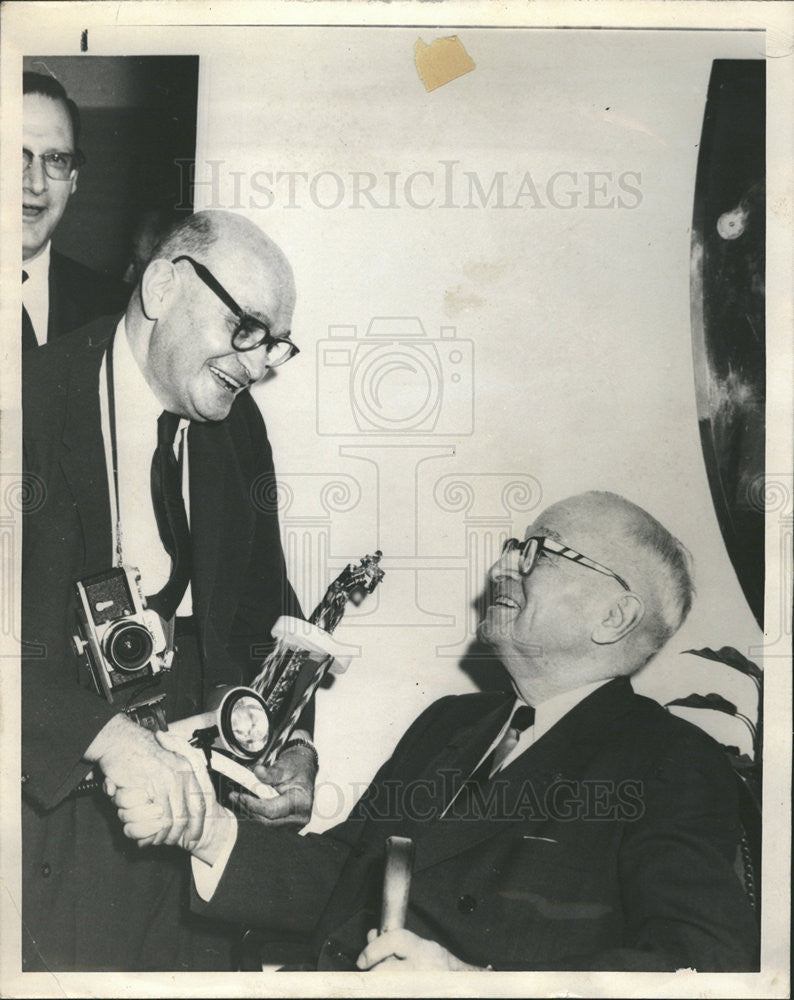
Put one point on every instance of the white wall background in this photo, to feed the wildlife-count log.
(579, 317)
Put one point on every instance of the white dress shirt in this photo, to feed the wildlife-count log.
(36, 292)
(137, 410)
(547, 714)
(207, 876)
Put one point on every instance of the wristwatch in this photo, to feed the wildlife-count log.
(299, 741)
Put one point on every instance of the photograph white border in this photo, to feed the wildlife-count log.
(118, 28)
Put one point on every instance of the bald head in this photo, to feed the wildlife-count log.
(224, 241)
(213, 282)
(595, 592)
(641, 550)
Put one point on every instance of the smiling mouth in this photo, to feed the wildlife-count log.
(502, 601)
(230, 384)
(32, 211)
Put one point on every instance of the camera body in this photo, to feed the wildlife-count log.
(121, 640)
(395, 380)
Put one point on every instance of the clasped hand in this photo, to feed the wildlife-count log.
(160, 786)
(158, 783)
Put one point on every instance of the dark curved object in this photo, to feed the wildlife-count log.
(727, 302)
(750, 817)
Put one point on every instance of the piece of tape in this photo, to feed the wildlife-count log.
(444, 60)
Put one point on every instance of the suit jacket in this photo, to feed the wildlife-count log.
(608, 844)
(79, 295)
(239, 587)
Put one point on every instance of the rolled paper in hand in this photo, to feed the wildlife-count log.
(396, 883)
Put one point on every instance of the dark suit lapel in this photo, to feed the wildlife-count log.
(432, 791)
(71, 298)
(221, 523)
(83, 458)
(557, 755)
(55, 305)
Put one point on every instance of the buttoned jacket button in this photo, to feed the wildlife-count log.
(466, 903)
(25, 779)
(46, 870)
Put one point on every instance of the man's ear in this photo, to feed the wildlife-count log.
(157, 285)
(73, 183)
(623, 617)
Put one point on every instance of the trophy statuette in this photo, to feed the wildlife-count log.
(244, 725)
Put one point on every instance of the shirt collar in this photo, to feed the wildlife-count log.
(548, 713)
(38, 268)
(136, 404)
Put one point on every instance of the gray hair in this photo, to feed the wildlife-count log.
(671, 562)
(193, 236)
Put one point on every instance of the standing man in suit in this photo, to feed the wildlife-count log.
(123, 422)
(571, 826)
(58, 293)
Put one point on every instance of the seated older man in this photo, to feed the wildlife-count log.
(574, 825)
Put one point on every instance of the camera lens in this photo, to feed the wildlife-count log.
(128, 646)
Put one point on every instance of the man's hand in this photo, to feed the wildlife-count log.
(160, 785)
(292, 776)
(403, 950)
(142, 818)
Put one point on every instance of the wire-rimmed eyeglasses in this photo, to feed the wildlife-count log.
(57, 166)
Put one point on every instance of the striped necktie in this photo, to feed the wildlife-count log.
(469, 795)
(523, 718)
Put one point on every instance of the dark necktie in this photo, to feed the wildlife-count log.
(169, 512)
(28, 333)
(523, 718)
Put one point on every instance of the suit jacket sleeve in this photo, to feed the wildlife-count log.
(60, 718)
(59, 722)
(279, 880)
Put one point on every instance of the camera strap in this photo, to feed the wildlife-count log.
(166, 601)
(114, 451)
(168, 622)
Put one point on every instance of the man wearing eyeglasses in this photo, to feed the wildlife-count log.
(572, 825)
(58, 294)
(146, 449)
